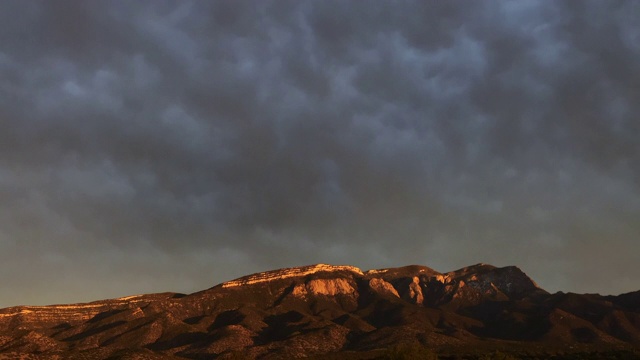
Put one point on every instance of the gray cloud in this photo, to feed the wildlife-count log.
(169, 146)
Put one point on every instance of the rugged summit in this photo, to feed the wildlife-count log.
(321, 309)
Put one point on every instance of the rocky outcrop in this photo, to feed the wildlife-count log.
(475, 283)
(415, 292)
(382, 287)
(328, 287)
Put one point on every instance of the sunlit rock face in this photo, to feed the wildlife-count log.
(317, 309)
(416, 284)
(328, 287)
(289, 273)
(415, 292)
(382, 287)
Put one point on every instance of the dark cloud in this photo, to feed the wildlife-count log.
(156, 146)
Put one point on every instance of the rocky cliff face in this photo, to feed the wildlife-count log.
(327, 287)
(322, 308)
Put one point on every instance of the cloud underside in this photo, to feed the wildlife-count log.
(154, 147)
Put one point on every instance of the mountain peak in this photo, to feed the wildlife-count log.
(289, 273)
(404, 271)
(477, 268)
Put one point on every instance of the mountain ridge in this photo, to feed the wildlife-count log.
(326, 309)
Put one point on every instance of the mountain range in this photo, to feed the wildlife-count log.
(336, 312)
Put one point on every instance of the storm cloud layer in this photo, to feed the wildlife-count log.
(169, 146)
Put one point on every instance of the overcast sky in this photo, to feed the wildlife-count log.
(169, 146)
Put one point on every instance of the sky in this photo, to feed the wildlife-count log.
(155, 146)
